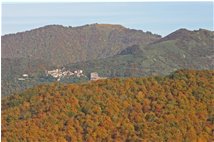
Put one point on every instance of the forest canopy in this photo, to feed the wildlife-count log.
(178, 107)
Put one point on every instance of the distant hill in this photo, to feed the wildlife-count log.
(110, 50)
(56, 45)
(173, 108)
(187, 35)
(181, 49)
(61, 45)
(186, 49)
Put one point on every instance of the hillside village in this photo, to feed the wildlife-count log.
(60, 73)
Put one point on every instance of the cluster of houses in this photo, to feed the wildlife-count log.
(59, 73)
(24, 77)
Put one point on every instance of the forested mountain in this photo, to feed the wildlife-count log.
(172, 108)
(178, 107)
(181, 49)
(110, 50)
(61, 45)
(189, 49)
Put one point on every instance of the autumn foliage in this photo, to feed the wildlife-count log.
(178, 107)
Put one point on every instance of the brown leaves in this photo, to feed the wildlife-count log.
(114, 110)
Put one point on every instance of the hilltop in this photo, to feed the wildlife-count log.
(177, 107)
(61, 45)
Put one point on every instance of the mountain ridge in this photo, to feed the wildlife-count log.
(184, 34)
(98, 48)
(76, 27)
(75, 44)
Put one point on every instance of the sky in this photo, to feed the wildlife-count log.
(158, 17)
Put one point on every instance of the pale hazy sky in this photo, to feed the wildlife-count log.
(158, 17)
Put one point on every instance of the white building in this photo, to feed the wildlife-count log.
(94, 76)
(21, 79)
(25, 75)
